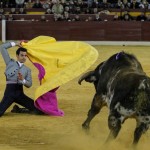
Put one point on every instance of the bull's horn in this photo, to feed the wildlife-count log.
(85, 76)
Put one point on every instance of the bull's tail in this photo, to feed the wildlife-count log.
(88, 77)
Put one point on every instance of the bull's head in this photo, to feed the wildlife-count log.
(92, 76)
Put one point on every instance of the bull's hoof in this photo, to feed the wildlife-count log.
(85, 126)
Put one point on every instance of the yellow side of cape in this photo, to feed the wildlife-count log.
(62, 61)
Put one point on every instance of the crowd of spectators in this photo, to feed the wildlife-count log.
(76, 5)
(61, 9)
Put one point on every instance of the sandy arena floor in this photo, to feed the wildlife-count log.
(29, 132)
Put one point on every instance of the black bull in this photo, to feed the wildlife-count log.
(122, 86)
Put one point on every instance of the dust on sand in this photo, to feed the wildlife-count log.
(28, 132)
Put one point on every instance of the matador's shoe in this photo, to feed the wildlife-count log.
(17, 109)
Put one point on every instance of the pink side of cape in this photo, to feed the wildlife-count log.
(47, 102)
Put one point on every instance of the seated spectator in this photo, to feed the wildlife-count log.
(116, 17)
(57, 8)
(13, 11)
(58, 17)
(136, 4)
(112, 3)
(2, 17)
(2, 12)
(95, 10)
(85, 4)
(141, 17)
(87, 11)
(47, 4)
(22, 11)
(76, 18)
(71, 6)
(11, 4)
(80, 4)
(148, 17)
(95, 4)
(89, 3)
(143, 4)
(126, 4)
(104, 4)
(10, 17)
(48, 11)
(105, 11)
(66, 16)
(77, 10)
(89, 19)
(63, 3)
(19, 3)
(37, 4)
(2, 4)
(70, 3)
(97, 17)
(126, 16)
(28, 4)
(67, 9)
(43, 18)
(119, 4)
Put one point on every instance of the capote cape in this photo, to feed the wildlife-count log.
(60, 62)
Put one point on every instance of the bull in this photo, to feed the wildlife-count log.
(122, 86)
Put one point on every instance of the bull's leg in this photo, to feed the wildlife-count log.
(140, 129)
(96, 106)
(114, 125)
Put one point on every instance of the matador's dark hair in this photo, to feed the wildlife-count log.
(20, 49)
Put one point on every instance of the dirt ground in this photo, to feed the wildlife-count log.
(29, 132)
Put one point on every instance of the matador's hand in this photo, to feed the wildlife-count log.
(20, 77)
(18, 43)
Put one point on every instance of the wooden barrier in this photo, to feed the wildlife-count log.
(107, 31)
(82, 31)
